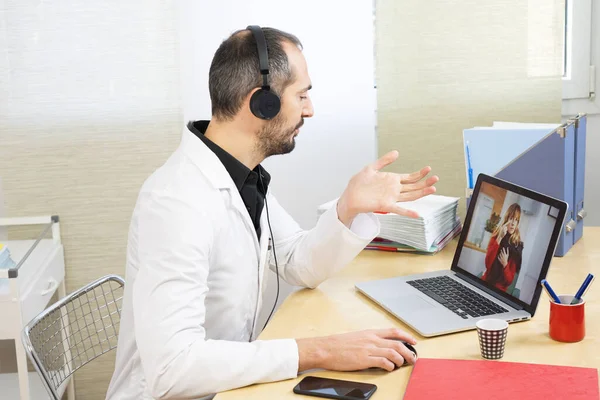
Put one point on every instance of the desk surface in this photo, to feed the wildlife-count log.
(336, 307)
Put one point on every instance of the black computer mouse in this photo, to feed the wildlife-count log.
(411, 348)
(408, 346)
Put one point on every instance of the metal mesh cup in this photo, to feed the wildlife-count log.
(492, 337)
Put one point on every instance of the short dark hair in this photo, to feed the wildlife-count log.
(234, 70)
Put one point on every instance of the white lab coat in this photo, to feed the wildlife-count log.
(195, 279)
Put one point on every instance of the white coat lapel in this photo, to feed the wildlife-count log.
(266, 247)
(215, 172)
(240, 207)
(266, 244)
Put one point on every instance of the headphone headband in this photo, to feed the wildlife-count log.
(264, 103)
(263, 54)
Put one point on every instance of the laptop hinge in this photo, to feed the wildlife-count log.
(479, 285)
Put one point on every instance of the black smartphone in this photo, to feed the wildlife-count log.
(334, 388)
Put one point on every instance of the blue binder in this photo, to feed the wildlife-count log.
(580, 122)
(547, 158)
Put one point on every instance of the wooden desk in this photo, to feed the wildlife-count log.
(336, 307)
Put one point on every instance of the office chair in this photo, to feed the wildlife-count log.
(74, 331)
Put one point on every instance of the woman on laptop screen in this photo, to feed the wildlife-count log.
(505, 250)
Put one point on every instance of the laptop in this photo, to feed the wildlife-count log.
(505, 248)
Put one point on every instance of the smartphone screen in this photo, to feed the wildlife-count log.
(334, 388)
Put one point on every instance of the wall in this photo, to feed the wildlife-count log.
(472, 261)
(340, 139)
(89, 107)
(443, 67)
(497, 194)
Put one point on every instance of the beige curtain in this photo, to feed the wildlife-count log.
(443, 66)
(89, 107)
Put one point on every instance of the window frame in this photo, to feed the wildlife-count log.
(578, 81)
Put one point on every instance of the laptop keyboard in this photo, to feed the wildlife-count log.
(456, 297)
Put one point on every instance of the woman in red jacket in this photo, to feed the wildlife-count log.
(505, 250)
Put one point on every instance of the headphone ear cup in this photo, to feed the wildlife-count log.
(265, 104)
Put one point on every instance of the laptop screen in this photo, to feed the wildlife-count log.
(509, 239)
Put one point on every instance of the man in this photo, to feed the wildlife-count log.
(205, 226)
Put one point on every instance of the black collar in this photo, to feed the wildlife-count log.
(239, 172)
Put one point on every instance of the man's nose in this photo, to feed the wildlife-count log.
(308, 110)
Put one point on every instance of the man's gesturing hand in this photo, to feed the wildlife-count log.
(373, 190)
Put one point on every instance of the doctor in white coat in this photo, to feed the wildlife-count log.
(206, 228)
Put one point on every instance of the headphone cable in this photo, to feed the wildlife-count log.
(274, 253)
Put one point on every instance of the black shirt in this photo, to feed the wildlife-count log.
(247, 181)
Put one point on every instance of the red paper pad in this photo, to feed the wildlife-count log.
(433, 379)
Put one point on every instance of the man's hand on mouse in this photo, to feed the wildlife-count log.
(373, 190)
(356, 351)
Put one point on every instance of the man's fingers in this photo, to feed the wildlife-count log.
(390, 354)
(415, 176)
(411, 187)
(404, 351)
(396, 209)
(382, 362)
(409, 196)
(393, 333)
(387, 159)
(417, 194)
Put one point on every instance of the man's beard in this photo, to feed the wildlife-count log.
(276, 137)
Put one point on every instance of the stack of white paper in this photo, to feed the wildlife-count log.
(437, 216)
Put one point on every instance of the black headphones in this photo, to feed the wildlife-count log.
(264, 103)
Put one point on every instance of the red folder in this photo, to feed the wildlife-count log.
(433, 379)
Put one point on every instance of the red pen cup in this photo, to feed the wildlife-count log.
(567, 322)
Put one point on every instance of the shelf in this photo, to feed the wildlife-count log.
(39, 256)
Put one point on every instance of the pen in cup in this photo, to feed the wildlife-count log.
(584, 287)
(469, 169)
(549, 291)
